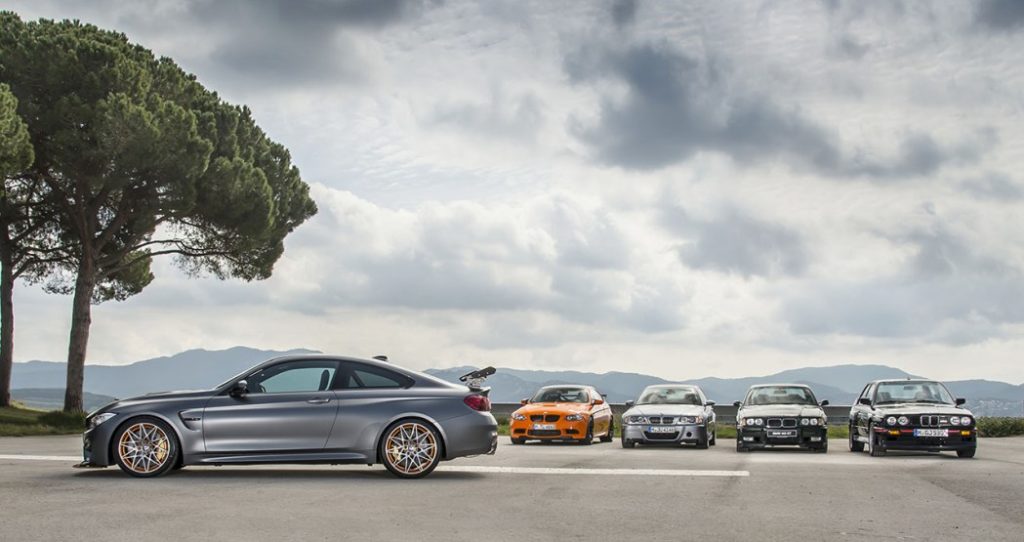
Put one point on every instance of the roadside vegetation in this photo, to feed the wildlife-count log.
(19, 421)
(1000, 427)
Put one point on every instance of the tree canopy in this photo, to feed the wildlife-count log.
(141, 160)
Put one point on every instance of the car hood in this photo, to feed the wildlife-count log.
(807, 411)
(553, 408)
(665, 410)
(158, 397)
(918, 408)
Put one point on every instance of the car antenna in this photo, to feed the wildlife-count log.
(381, 357)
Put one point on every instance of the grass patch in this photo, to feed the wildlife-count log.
(18, 421)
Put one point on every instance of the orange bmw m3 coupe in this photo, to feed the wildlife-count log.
(563, 412)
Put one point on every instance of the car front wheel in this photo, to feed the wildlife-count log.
(873, 447)
(855, 445)
(145, 447)
(410, 449)
(966, 454)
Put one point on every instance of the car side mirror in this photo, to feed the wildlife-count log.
(864, 401)
(239, 389)
(524, 402)
(737, 404)
(824, 403)
(598, 401)
(960, 401)
(629, 404)
(709, 403)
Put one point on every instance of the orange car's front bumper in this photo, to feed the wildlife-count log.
(560, 430)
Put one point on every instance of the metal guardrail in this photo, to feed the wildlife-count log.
(837, 414)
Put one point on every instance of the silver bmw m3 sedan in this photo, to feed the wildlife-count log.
(299, 409)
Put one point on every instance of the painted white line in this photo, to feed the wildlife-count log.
(599, 472)
(76, 459)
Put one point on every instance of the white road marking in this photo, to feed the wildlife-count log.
(599, 472)
(76, 459)
(492, 470)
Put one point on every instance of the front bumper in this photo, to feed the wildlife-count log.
(904, 439)
(803, 436)
(681, 434)
(96, 444)
(562, 430)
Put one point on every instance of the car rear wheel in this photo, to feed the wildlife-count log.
(611, 432)
(966, 454)
(873, 447)
(410, 448)
(855, 445)
(145, 447)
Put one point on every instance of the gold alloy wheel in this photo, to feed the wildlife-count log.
(144, 448)
(411, 448)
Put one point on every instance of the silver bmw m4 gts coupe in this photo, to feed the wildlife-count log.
(299, 409)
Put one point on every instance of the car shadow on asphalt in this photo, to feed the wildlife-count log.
(262, 474)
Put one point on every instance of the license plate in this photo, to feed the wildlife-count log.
(930, 433)
(653, 429)
(782, 434)
(543, 426)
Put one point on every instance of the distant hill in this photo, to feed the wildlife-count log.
(199, 369)
(189, 370)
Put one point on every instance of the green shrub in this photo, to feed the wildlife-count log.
(1000, 427)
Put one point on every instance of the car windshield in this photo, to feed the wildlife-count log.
(561, 395)
(781, 395)
(669, 396)
(913, 392)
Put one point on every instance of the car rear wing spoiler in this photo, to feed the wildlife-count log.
(475, 380)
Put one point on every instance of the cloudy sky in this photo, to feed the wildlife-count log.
(678, 188)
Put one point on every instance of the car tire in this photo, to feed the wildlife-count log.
(589, 439)
(611, 432)
(855, 445)
(873, 448)
(702, 443)
(966, 454)
(145, 447)
(714, 438)
(628, 443)
(518, 441)
(410, 436)
(740, 448)
(823, 447)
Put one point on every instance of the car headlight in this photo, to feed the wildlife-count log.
(965, 420)
(805, 421)
(814, 421)
(891, 420)
(100, 418)
(518, 417)
(904, 420)
(954, 420)
(636, 419)
(574, 417)
(688, 420)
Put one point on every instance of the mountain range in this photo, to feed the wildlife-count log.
(40, 383)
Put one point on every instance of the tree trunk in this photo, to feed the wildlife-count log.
(81, 319)
(6, 319)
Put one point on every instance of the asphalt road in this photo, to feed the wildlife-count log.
(532, 492)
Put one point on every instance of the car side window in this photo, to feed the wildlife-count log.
(866, 392)
(364, 376)
(293, 377)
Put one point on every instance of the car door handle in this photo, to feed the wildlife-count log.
(318, 400)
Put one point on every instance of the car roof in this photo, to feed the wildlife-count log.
(671, 385)
(898, 380)
(782, 385)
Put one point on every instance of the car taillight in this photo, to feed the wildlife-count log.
(478, 402)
